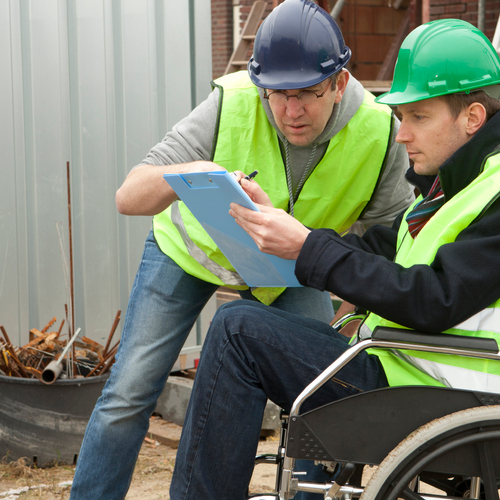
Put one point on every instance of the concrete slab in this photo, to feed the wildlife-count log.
(172, 404)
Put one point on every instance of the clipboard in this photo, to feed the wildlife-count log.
(208, 196)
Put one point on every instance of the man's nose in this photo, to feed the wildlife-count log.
(403, 134)
(294, 107)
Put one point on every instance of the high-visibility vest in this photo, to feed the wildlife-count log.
(334, 196)
(406, 367)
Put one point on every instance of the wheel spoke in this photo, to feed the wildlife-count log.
(488, 471)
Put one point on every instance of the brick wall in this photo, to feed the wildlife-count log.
(222, 35)
(467, 11)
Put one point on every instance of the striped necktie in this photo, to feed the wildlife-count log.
(424, 210)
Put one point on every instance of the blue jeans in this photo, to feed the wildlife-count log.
(254, 353)
(163, 306)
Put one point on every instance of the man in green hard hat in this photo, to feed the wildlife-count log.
(436, 270)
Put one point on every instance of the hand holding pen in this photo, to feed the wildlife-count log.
(256, 193)
(246, 177)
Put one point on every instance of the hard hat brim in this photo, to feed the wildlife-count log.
(395, 98)
(287, 80)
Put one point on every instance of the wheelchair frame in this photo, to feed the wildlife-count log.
(487, 465)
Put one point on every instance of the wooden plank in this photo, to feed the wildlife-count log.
(166, 433)
(377, 86)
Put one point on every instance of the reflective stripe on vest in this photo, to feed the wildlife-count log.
(228, 277)
(452, 376)
(488, 320)
(404, 367)
(334, 196)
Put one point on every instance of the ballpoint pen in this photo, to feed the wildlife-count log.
(252, 175)
(247, 177)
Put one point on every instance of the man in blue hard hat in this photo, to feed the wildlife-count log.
(437, 270)
(325, 153)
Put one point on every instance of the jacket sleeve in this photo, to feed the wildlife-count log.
(463, 279)
(393, 193)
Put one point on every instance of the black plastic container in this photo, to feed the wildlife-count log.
(45, 423)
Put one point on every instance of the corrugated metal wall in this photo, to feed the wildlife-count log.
(94, 83)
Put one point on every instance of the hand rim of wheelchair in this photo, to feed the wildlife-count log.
(382, 338)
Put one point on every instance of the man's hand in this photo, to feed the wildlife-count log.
(254, 191)
(273, 230)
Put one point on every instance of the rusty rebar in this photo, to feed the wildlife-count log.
(101, 363)
(113, 328)
(5, 336)
(10, 349)
(30, 361)
(60, 328)
(108, 364)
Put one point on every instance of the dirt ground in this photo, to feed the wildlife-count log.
(152, 475)
(151, 479)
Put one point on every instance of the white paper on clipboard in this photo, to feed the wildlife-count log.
(208, 196)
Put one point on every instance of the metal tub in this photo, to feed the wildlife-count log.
(45, 423)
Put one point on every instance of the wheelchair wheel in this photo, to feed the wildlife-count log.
(468, 435)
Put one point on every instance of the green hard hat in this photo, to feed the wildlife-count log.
(443, 57)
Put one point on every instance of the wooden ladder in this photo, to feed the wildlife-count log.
(238, 60)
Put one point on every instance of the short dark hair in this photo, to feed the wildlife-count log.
(335, 77)
(460, 101)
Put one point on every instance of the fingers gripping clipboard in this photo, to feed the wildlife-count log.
(208, 196)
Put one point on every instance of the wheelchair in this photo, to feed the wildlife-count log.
(428, 442)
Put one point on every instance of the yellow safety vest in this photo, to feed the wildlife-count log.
(405, 367)
(334, 196)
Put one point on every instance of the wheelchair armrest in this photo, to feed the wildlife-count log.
(435, 339)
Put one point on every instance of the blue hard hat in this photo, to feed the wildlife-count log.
(298, 45)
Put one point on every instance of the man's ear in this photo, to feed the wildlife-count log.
(342, 80)
(476, 117)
